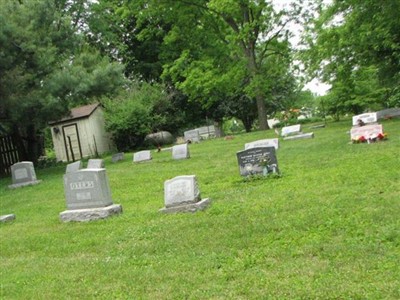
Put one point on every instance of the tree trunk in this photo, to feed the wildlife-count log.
(32, 144)
(19, 143)
(218, 129)
(262, 112)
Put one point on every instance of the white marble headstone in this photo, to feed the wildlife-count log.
(288, 130)
(142, 156)
(263, 143)
(95, 164)
(367, 131)
(367, 118)
(180, 151)
(181, 190)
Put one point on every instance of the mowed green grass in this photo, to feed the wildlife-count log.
(329, 228)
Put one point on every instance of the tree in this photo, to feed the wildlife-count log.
(46, 68)
(208, 38)
(353, 40)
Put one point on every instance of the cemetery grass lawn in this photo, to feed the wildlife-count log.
(329, 228)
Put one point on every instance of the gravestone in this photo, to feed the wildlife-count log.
(366, 118)
(95, 164)
(257, 161)
(299, 136)
(88, 196)
(192, 136)
(263, 143)
(206, 132)
(367, 131)
(23, 174)
(182, 194)
(117, 157)
(140, 156)
(291, 130)
(180, 151)
(7, 218)
(388, 113)
(73, 167)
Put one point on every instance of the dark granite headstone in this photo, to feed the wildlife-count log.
(257, 161)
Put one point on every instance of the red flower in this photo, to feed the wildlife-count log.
(362, 139)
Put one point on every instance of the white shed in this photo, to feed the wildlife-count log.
(82, 134)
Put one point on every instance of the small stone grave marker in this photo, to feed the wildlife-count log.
(291, 130)
(117, 157)
(366, 118)
(192, 136)
(7, 218)
(182, 194)
(95, 164)
(88, 196)
(180, 151)
(140, 156)
(73, 167)
(367, 131)
(263, 143)
(257, 161)
(23, 174)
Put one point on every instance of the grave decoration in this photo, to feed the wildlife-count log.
(140, 156)
(88, 195)
(180, 151)
(23, 174)
(117, 157)
(294, 133)
(367, 134)
(257, 161)
(182, 194)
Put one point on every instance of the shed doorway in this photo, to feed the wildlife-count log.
(72, 142)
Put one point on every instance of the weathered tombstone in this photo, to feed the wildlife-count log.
(95, 164)
(180, 151)
(206, 132)
(142, 156)
(290, 130)
(7, 218)
(117, 157)
(263, 143)
(367, 131)
(366, 118)
(192, 136)
(159, 138)
(299, 136)
(182, 194)
(88, 196)
(257, 161)
(23, 174)
(388, 113)
(73, 167)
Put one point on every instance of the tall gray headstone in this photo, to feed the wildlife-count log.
(23, 174)
(88, 196)
(180, 151)
(182, 194)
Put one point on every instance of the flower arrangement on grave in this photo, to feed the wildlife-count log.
(264, 161)
(371, 139)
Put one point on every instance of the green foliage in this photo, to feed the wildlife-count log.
(328, 228)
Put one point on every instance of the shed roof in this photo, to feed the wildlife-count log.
(78, 112)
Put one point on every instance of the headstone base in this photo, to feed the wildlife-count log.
(300, 136)
(192, 207)
(90, 214)
(7, 218)
(18, 185)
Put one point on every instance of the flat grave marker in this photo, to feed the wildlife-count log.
(140, 156)
(290, 130)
